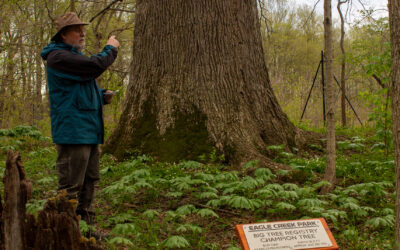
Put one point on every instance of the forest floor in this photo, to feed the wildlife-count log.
(146, 204)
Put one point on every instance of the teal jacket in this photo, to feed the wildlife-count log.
(76, 101)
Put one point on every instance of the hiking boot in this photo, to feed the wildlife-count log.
(88, 216)
(97, 235)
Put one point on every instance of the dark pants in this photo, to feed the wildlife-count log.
(78, 171)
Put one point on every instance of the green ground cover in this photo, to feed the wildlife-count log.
(146, 204)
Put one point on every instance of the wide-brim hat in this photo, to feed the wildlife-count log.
(65, 20)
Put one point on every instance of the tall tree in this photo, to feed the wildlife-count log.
(343, 63)
(394, 22)
(330, 171)
(199, 81)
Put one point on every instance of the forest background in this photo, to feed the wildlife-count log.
(292, 36)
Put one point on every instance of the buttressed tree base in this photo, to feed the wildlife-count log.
(198, 82)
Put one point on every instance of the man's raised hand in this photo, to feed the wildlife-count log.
(113, 42)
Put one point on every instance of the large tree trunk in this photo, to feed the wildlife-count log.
(330, 170)
(394, 20)
(199, 81)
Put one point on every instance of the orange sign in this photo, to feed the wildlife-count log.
(293, 234)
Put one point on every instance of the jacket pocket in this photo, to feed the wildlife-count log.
(86, 98)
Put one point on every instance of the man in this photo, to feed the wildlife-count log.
(76, 103)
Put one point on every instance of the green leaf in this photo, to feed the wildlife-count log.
(185, 209)
(34, 206)
(120, 241)
(275, 186)
(230, 190)
(285, 206)
(264, 173)
(350, 234)
(351, 206)
(379, 145)
(214, 203)
(46, 180)
(121, 218)
(190, 165)
(321, 184)
(142, 184)
(250, 164)
(206, 212)
(175, 242)
(181, 183)
(241, 202)
(205, 177)
(290, 186)
(84, 227)
(266, 193)
(283, 172)
(210, 189)
(141, 173)
(171, 215)
(387, 211)
(311, 203)
(174, 194)
(194, 228)
(288, 195)
(208, 195)
(377, 222)
(234, 248)
(150, 213)
(227, 176)
(276, 147)
(124, 229)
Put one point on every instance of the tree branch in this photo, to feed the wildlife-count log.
(103, 10)
(122, 10)
(312, 12)
(378, 80)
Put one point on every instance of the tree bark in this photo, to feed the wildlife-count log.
(394, 22)
(343, 64)
(199, 81)
(330, 170)
(56, 226)
(17, 191)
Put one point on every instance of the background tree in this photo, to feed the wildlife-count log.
(343, 63)
(330, 171)
(394, 20)
(199, 81)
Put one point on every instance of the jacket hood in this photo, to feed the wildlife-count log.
(54, 46)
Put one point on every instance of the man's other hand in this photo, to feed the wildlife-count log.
(108, 96)
(113, 42)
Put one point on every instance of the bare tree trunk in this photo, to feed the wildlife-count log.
(394, 22)
(17, 191)
(199, 81)
(343, 63)
(56, 226)
(330, 171)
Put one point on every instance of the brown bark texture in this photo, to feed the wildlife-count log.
(330, 170)
(394, 22)
(199, 81)
(56, 227)
(17, 191)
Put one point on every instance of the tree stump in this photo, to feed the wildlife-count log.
(56, 227)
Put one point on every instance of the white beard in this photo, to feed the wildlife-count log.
(79, 47)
